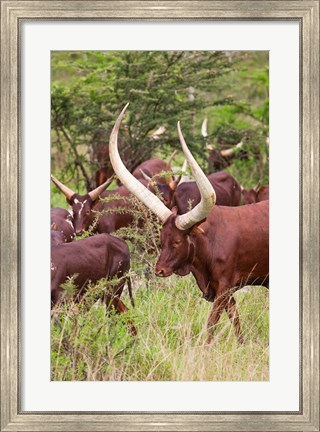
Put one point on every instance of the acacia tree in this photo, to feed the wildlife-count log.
(89, 89)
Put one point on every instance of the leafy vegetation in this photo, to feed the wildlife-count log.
(88, 91)
(90, 88)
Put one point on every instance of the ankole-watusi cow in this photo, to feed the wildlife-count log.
(62, 221)
(256, 194)
(185, 194)
(91, 259)
(152, 167)
(162, 183)
(116, 211)
(220, 158)
(85, 208)
(223, 247)
(227, 189)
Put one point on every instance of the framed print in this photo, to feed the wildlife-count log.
(46, 40)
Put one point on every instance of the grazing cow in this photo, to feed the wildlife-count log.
(220, 159)
(104, 216)
(115, 213)
(256, 194)
(91, 259)
(150, 168)
(227, 189)
(183, 194)
(62, 221)
(223, 247)
(164, 185)
(83, 206)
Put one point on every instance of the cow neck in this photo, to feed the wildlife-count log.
(198, 266)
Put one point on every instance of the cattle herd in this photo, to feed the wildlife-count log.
(211, 227)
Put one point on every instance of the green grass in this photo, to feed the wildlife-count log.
(170, 317)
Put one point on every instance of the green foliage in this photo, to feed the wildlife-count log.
(89, 88)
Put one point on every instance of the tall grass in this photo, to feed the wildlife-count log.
(89, 343)
(170, 316)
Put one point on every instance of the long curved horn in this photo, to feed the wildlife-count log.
(145, 176)
(204, 131)
(171, 157)
(174, 182)
(208, 195)
(157, 134)
(184, 177)
(230, 151)
(130, 182)
(256, 187)
(94, 194)
(64, 189)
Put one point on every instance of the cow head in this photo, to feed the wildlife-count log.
(82, 205)
(178, 248)
(250, 196)
(164, 187)
(176, 235)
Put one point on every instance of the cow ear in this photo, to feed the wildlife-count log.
(196, 229)
(172, 185)
(174, 210)
(69, 202)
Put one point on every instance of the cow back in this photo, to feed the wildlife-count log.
(93, 258)
(228, 192)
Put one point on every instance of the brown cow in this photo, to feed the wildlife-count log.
(227, 189)
(91, 259)
(62, 222)
(185, 194)
(220, 158)
(223, 247)
(90, 209)
(157, 174)
(256, 194)
(150, 168)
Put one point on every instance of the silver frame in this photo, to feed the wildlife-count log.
(307, 14)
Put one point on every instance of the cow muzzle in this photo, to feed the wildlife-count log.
(162, 271)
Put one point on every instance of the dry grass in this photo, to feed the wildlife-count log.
(170, 315)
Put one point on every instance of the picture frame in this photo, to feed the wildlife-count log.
(12, 14)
